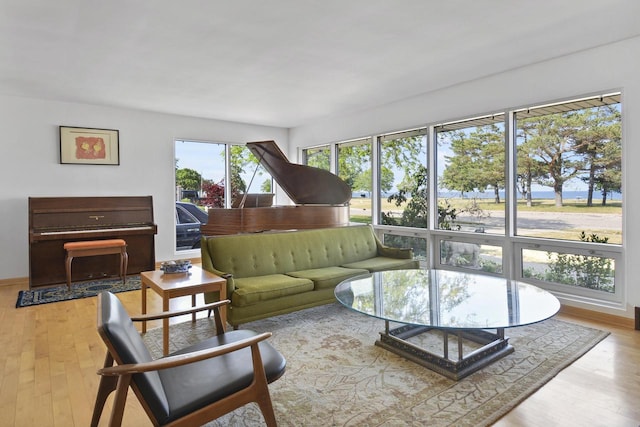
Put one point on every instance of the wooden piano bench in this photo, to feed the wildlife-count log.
(93, 248)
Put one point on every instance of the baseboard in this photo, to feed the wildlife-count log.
(625, 322)
(22, 281)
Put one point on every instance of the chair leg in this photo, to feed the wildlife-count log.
(107, 385)
(117, 412)
(264, 402)
(124, 261)
(67, 267)
(263, 398)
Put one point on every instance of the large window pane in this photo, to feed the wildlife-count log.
(200, 172)
(318, 157)
(470, 255)
(251, 184)
(418, 244)
(403, 179)
(354, 167)
(569, 170)
(571, 269)
(471, 175)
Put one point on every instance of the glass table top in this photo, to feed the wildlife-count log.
(447, 299)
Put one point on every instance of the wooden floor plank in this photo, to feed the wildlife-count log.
(50, 355)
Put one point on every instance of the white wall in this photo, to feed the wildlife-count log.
(30, 164)
(612, 67)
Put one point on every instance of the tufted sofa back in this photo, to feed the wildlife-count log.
(249, 255)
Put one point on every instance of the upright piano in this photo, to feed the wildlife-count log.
(53, 221)
(321, 199)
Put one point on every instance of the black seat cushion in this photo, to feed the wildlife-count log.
(190, 387)
(175, 392)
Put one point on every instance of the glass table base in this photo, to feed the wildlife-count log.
(493, 346)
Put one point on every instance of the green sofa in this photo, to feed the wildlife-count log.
(280, 272)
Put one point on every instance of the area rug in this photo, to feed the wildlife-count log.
(78, 290)
(336, 376)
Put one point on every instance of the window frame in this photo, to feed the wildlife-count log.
(511, 244)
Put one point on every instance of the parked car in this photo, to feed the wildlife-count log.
(189, 217)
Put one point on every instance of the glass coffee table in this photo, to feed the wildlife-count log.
(464, 310)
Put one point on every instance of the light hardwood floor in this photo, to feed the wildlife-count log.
(49, 355)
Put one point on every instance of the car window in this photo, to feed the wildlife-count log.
(185, 217)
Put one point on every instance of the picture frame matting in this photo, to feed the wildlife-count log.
(89, 146)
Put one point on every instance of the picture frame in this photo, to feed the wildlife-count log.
(89, 146)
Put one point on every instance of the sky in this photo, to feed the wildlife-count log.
(207, 159)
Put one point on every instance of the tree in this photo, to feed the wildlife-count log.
(213, 194)
(461, 169)
(416, 211)
(266, 186)
(188, 179)
(477, 162)
(363, 182)
(319, 158)
(598, 141)
(529, 170)
(550, 142)
(563, 146)
(353, 160)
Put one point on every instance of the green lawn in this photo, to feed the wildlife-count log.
(545, 205)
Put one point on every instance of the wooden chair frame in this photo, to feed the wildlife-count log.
(119, 377)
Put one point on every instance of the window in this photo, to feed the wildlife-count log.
(403, 179)
(318, 157)
(399, 240)
(470, 255)
(199, 184)
(248, 178)
(471, 175)
(531, 194)
(569, 179)
(354, 167)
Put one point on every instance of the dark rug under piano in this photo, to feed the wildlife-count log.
(85, 289)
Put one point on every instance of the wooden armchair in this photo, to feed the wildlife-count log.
(191, 386)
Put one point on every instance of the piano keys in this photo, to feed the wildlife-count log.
(321, 199)
(54, 221)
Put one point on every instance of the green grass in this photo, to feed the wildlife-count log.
(541, 205)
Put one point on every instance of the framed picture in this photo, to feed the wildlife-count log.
(89, 146)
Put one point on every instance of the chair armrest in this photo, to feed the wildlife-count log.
(183, 359)
(169, 314)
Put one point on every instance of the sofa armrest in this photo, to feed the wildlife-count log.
(390, 252)
(207, 264)
(400, 253)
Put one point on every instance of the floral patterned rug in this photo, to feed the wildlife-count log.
(86, 289)
(336, 376)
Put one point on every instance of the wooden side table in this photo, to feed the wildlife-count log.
(175, 285)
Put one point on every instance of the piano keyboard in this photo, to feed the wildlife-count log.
(100, 230)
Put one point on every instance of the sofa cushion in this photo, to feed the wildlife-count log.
(381, 263)
(327, 277)
(251, 290)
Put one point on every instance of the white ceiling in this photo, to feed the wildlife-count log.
(284, 62)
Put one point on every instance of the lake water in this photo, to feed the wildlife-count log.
(567, 195)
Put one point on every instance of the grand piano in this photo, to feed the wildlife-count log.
(321, 199)
(56, 220)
